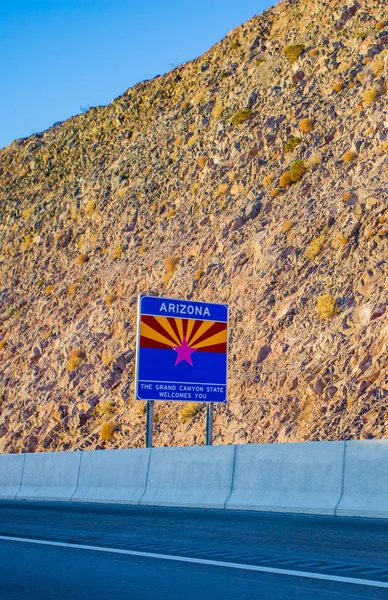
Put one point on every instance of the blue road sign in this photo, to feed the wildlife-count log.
(182, 350)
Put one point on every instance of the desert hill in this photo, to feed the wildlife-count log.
(256, 175)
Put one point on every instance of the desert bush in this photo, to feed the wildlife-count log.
(378, 66)
(313, 160)
(170, 262)
(338, 240)
(338, 86)
(26, 243)
(267, 180)
(198, 274)
(105, 408)
(189, 411)
(143, 249)
(349, 156)
(306, 125)
(3, 344)
(297, 170)
(315, 247)
(74, 360)
(293, 52)
(108, 430)
(241, 116)
(275, 192)
(326, 306)
(313, 52)
(370, 96)
(117, 252)
(380, 25)
(222, 189)
(72, 289)
(49, 290)
(27, 212)
(171, 213)
(235, 44)
(291, 143)
(288, 224)
(202, 160)
(218, 111)
(82, 259)
(110, 299)
(285, 179)
(90, 206)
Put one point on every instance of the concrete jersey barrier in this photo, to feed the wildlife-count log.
(300, 477)
(365, 487)
(50, 476)
(333, 478)
(11, 471)
(193, 477)
(117, 476)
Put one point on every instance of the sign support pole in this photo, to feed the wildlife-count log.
(209, 423)
(150, 422)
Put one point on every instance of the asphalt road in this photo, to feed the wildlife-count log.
(332, 548)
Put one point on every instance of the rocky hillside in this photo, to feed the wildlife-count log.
(254, 175)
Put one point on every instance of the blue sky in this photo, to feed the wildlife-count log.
(57, 56)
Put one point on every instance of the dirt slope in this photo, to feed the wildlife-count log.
(259, 171)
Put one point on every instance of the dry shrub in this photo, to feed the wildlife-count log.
(315, 247)
(189, 411)
(267, 180)
(3, 344)
(221, 189)
(108, 430)
(82, 259)
(370, 96)
(110, 299)
(105, 408)
(185, 105)
(143, 249)
(313, 160)
(198, 274)
(49, 290)
(275, 192)
(171, 213)
(199, 97)
(26, 243)
(288, 225)
(170, 262)
(117, 252)
(338, 240)
(72, 289)
(58, 235)
(297, 170)
(349, 156)
(293, 52)
(347, 196)
(90, 206)
(291, 144)
(378, 66)
(338, 86)
(313, 52)
(218, 111)
(178, 141)
(285, 179)
(141, 408)
(74, 359)
(306, 125)
(27, 212)
(241, 116)
(384, 146)
(202, 160)
(380, 25)
(326, 306)
(106, 357)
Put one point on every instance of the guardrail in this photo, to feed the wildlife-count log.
(332, 478)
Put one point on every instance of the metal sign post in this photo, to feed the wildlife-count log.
(150, 422)
(209, 423)
(181, 354)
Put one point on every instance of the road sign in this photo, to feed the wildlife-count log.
(182, 350)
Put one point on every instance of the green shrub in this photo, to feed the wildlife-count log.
(241, 116)
(293, 52)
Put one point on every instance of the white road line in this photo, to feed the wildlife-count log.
(203, 561)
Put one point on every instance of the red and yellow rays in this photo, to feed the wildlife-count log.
(169, 332)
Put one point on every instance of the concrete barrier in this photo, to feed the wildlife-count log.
(299, 477)
(11, 470)
(365, 488)
(193, 477)
(117, 476)
(50, 476)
